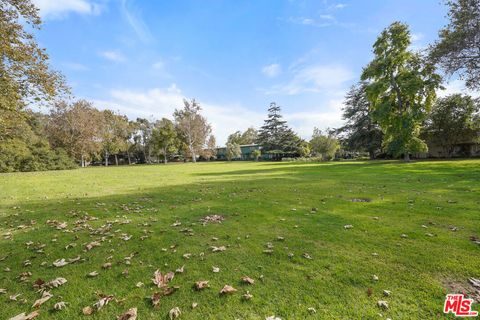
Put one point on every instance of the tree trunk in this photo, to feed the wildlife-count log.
(106, 159)
(128, 156)
(406, 157)
(165, 156)
(82, 162)
(116, 159)
(194, 157)
(372, 155)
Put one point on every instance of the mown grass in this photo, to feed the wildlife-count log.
(260, 201)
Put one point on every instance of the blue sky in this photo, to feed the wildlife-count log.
(235, 57)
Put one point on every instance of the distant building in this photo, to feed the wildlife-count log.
(246, 149)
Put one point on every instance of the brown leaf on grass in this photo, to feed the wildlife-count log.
(174, 313)
(218, 249)
(92, 274)
(156, 299)
(87, 311)
(248, 280)
(180, 270)
(202, 284)
(247, 296)
(104, 300)
(24, 316)
(161, 280)
(45, 297)
(131, 314)
(227, 289)
(369, 292)
(382, 304)
(60, 305)
(107, 265)
(169, 290)
(55, 283)
(92, 245)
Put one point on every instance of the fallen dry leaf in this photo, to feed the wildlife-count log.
(382, 304)
(45, 297)
(60, 305)
(174, 313)
(87, 311)
(156, 299)
(24, 316)
(60, 263)
(161, 280)
(202, 284)
(248, 280)
(194, 305)
(180, 270)
(247, 296)
(227, 289)
(93, 274)
(55, 283)
(218, 249)
(102, 302)
(131, 314)
(215, 269)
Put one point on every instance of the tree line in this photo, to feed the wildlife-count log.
(393, 110)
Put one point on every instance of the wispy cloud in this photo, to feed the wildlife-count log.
(320, 22)
(114, 56)
(314, 78)
(133, 16)
(337, 6)
(272, 70)
(57, 9)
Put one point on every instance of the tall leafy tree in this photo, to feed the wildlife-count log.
(454, 119)
(361, 132)
(458, 47)
(275, 135)
(325, 145)
(249, 136)
(211, 150)
(25, 74)
(76, 128)
(401, 89)
(193, 127)
(233, 151)
(114, 134)
(142, 138)
(164, 138)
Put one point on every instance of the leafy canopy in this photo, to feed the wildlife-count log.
(401, 89)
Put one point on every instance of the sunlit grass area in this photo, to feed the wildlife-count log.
(320, 241)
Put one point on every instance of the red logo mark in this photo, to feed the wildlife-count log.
(459, 306)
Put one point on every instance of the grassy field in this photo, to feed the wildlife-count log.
(412, 227)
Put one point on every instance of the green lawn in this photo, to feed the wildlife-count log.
(260, 202)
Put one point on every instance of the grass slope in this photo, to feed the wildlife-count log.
(260, 201)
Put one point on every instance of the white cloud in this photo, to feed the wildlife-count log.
(113, 56)
(134, 19)
(272, 70)
(456, 86)
(161, 102)
(314, 78)
(60, 8)
(159, 65)
(337, 6)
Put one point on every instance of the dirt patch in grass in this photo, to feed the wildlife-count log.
(464, 287)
